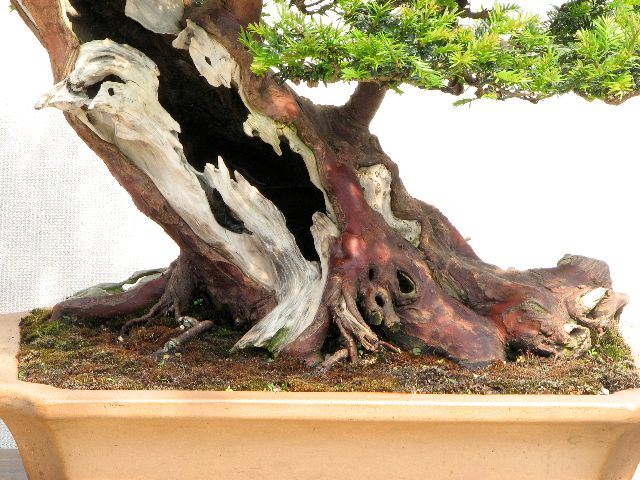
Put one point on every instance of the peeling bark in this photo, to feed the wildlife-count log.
(392, 269)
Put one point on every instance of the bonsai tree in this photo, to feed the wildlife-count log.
(289, 216)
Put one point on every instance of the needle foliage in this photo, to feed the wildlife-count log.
(590, 47)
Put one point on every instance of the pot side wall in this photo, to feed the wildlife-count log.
(66, 434)
(96, 449)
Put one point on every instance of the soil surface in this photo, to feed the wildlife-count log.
(76, 355)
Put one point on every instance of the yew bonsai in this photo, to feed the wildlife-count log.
(289, 216)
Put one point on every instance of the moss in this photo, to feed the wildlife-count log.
(534, 307)
(31, 326)
(54, 328)
(40, 332)
(277, 340)
(612, 344)
(223, 332)
(168, 321)
(83, 356)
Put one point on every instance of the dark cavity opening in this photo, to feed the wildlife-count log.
(92, 90)
(379, 300)
(407, 286)
(372, 274)
(210, 118)
(221, 211)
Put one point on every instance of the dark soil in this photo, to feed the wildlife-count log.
(76, 355)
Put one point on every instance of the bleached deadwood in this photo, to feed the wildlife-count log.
(135, 280)
(216, 64)
(591, 299)
(128, 114)
(376, 184)
(298, 282)
(298, 308)
(159, 16)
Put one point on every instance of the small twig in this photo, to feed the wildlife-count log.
(197, 328)
(306, 7)
(389, 347)
(333, 359)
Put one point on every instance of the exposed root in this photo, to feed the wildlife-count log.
(98, 303)
(161, 308)
(386, 285)
(550, 312)
(353, 329)
(352, 326)
(173, 292)
(176, 298)
(334, 358)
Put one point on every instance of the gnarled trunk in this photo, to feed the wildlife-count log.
(288, 214)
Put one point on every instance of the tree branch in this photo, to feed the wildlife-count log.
(244, 11)
(364, 102)
(312, 7)
(467, 13)
(482, 14)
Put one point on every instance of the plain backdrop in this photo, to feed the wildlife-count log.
(528, 183)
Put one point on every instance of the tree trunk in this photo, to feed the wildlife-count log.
(256, 185)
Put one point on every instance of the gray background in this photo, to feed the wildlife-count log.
(64, 222)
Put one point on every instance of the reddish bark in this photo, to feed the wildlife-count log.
(463, 307)
(109, 306)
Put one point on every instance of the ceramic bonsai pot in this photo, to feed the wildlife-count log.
(76, 434)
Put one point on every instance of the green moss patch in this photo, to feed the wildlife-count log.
(69, 354)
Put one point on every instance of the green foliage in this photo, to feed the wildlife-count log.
(591, 47)
(575, 15)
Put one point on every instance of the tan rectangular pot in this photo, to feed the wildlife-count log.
(75, 434)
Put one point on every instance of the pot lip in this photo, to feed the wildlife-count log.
(48, 401)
